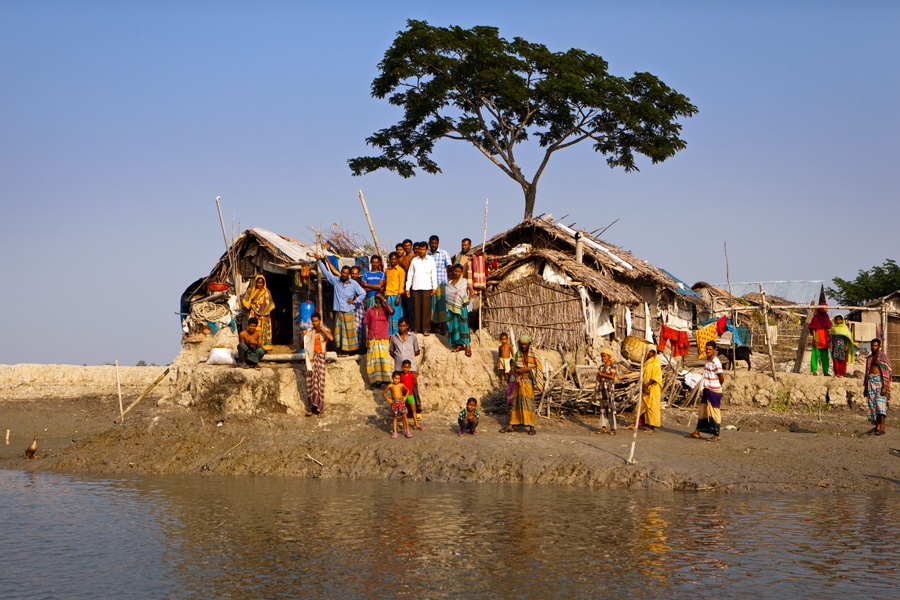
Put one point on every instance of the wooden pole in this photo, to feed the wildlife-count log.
(766, 325)
(147, 391)
(119, 388)
(228, 248)
(371, 227)
(637, 414)
(320, 275)
(733, 315)
(804, 333)
(483, 245)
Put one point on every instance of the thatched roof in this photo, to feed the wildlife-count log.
(594, 281)
(267, 251)
(608, 259)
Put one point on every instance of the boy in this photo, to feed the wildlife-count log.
(398, 393)
(468, 417)
(504, 358)
(408, 378)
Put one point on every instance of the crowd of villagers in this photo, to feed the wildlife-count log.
(423, 290)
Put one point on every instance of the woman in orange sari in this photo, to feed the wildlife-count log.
(258, 303)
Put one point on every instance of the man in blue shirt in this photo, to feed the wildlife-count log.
(346, 292)
(439, 299)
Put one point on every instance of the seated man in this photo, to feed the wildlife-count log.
(250, 350)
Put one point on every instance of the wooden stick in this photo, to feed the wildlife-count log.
(483, 245)
(637, 412)
(320, 275)
(147, 391)
(768, 338)
(801, 344)
(228, 248)
(233, 447)
(371, 227)
(7, 437)
(314, 460)
(119, 388)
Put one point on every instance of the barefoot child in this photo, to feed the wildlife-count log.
(468, 417)
(606, 390)
(398, 393)
(504, 358)
(408, 378)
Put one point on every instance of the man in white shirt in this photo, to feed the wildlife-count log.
(421, 285)
(709, 418)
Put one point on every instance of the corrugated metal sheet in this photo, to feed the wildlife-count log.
(294, 250)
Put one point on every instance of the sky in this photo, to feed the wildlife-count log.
(120, 123)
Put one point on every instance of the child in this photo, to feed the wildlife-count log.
(398, 393)
(606, 390)
(504, 358)
(875, 398)
(468, 417)
(408, 378)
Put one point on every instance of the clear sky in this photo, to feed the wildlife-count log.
(120, 122)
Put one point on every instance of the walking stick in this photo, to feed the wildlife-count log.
(638, 409)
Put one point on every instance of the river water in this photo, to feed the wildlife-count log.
(69, 536)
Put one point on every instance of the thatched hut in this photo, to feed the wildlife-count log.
(566, 288)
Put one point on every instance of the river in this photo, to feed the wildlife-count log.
(72, 536)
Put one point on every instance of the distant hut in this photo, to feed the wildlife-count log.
(868, 325)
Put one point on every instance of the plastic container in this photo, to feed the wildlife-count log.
(306, 311)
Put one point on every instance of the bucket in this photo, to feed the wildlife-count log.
(306, 311)
(633, 348)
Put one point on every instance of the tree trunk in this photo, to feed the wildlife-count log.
(530, 196)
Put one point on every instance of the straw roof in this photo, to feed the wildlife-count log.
(608, 259)
(267, 250)
(592, 280)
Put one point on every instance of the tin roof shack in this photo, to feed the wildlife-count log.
(539, 287)
(289, 268)
(888, 316)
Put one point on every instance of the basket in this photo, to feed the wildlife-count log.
(633, 348)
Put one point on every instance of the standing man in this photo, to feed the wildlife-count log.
(404, 260)
(463, 257)
(709, 417)
(346, 293)
(439, 299)
(421, 286)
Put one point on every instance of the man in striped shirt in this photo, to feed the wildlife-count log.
(439, 300)
(709, 419)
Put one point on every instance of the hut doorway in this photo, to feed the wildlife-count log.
(282, 321)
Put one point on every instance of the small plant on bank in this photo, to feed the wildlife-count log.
(782, 401)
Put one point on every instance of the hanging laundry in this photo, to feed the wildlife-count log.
(707, 334)
(680, 340)
(773, 333)
(741, 336)
(722, 325)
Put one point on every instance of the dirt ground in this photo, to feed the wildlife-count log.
(763, 454)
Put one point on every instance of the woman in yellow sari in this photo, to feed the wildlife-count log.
(651, 391)
(529, 379)
(257, 301)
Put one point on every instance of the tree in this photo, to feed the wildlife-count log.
(868, 285)
(472, 85)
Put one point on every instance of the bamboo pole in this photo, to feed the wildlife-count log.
(637, 413)
(147, 391)
(483, 246)
(371, 227)
(768, 338)
(319, 252)
(733, 316)
(119, 388)
(228, 248)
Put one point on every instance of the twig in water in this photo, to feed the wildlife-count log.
(233, 447)
(314, 460)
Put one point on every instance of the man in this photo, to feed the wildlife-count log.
(464, 256)
(421, 286)
(346, 292)
(439, 298)
(395, 280)
(709, 418)
(250, 345)
(378, 358)
(404, 260)
(529, 378)
(404, 346)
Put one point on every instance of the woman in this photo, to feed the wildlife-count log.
(258, 303)
(458, 288)
(878, 371)
(606, 391)
(651, 390)
(315, 339)
(819, 328)
(529, 378)
(842, 347)
(378, 356)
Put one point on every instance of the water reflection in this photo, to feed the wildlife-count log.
(180, 537)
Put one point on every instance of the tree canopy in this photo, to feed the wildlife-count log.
(474, 86)
(869, 285)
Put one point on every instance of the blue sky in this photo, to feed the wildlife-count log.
(121, 123)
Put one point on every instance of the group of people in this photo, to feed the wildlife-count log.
(834, 336)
